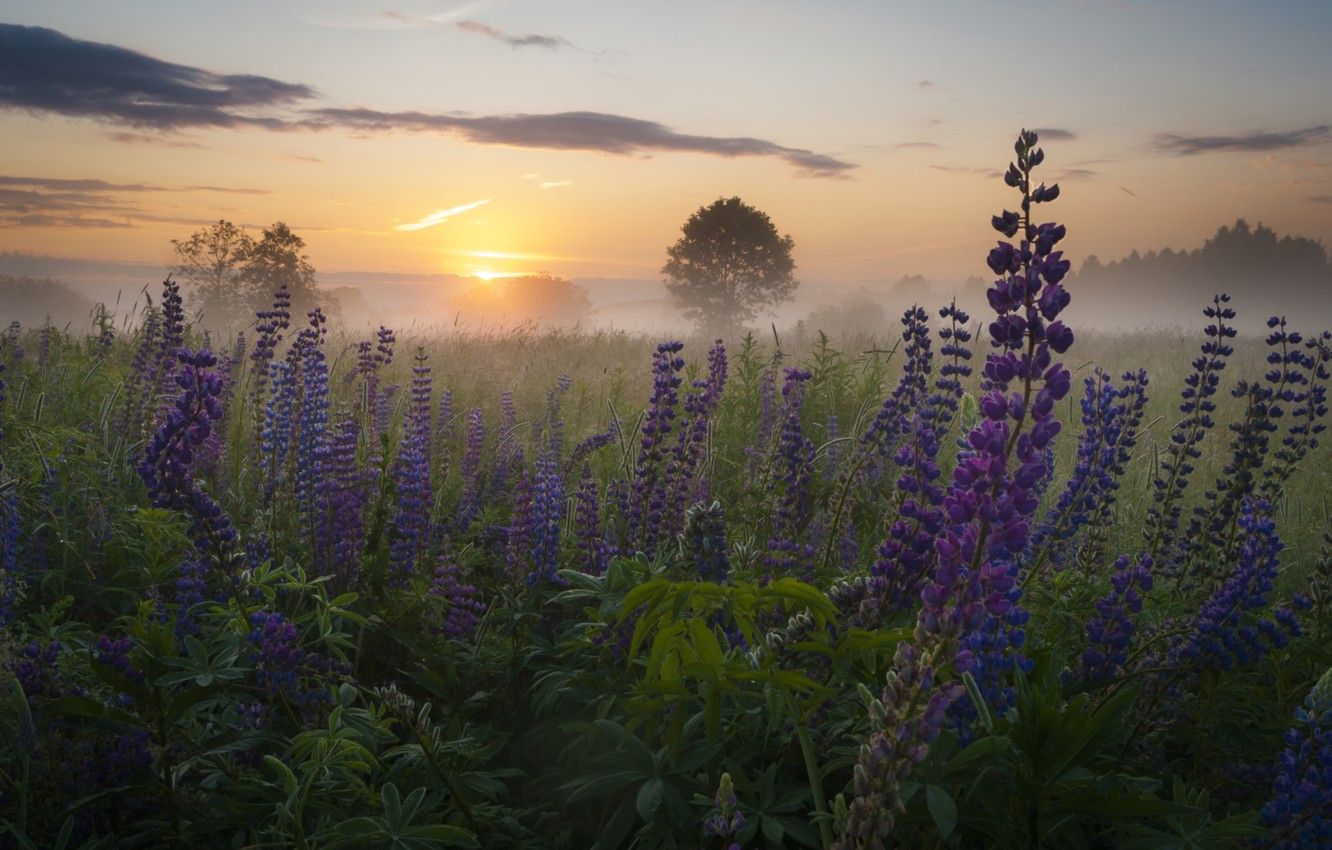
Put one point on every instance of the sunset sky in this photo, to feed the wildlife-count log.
(576, 137)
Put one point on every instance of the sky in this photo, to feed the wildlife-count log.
(498, 137)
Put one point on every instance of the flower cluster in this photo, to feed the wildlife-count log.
(725, 822)
(463, 601)
(115, 653)
(648, 504)
(1300, 810)
(1110, 631)
(703, 542)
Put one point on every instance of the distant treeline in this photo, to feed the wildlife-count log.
(30, 301)
(1263, 272)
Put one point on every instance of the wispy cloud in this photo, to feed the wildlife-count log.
(1258, 141)
(918, 145)
(127, 138)
(1055, 134)
(42, 70)
(549, 42)
(583, 131)
(27, 201)
(441, 216)
(926, 84)
(988, 173)
(555, 184)
(1321, 199)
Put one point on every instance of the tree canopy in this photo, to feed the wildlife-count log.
(729, 263)
(230, 275)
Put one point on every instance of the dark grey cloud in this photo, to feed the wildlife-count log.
(550, 42)
(42, 70)
(582, 131)
(1055, 134)
(1255, 142)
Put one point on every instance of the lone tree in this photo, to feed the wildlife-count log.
(730, 262)
(278, 260)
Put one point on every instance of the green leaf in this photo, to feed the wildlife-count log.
(942, 808)
(649, 798)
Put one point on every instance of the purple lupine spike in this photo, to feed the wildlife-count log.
(1213, 521)
(725, 822)
(703, 542)
(969, 619)
(1299, 812)
(759, 450)
(787, 551)
(115, 653)
(508, 451)
(518, 536)
(648, 502)
(884, 433)
(552, 430)
(269, 329)
(546, 516)
(141, 379)
(1308, 400)
(1224, 634)
(691, 439)
(173, 334)
(1111, 417)
(1162, 524)
(167, 466)
(312, 444)
(191, 586)
(592, 444)
(906, 556)
(411, 525)
(593, 551)
(275, 437)
(1110, 630)
(469, 505)
(340, 523)
(37, 670)
(464, 610)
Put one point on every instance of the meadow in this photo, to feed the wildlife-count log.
(974, 581)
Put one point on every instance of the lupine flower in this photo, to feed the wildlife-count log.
(703, 542)
(191, 586)
(648, 504)
(884, 432)
(276, 653)
(793, 470)
(725, 821)
(469, 505)
(115, 653)
(592, 444)
(592, 547)
(1111, 417)
(969, 615)
(312, 443)
(547, 513)
(340, 526)
(463, 601)
(757, 452)
(37, 670)
(411, 523)
(518, 536)
(1197, 406)
(167, 467)
(1110, 630)
(173, 333)
(1300, 811)
(1308, 399)
(141, 380)
(691, 438)
(275, 437)
(508, 451)
(268, 333)
(1227, 631)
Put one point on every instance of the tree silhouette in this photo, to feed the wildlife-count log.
(729, 263)
(278, 260)
(209, 264)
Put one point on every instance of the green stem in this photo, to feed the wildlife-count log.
(812, 770)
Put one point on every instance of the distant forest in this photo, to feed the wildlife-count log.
(1259, 269)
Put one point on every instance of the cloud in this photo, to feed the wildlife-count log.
(1055, 134)
(1182, 145)
(86, 202)
(42, 70)
(988, 173)
(1072, 174)
(1321, 199)
(549, 42)
(555, 184)
(1128, 192)
(582, 131)
(441, 216)
(926, 84)
(918, 145)
(128, 138)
